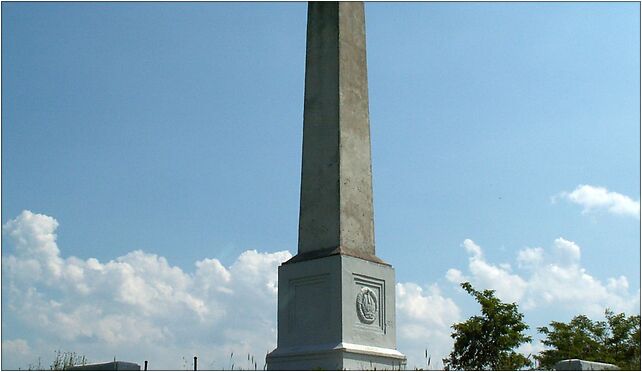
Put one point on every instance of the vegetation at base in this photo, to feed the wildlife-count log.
(615, 341)
(488, 342)
(65, 360)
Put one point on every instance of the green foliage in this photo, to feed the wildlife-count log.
(487, 342)
(67, 359)
(616, 341)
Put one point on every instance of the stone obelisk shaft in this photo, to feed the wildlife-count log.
(336, 213)
(336, 299)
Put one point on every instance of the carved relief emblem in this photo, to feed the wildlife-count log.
(367, 305)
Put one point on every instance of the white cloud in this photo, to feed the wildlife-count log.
(599, 198)
(554, 278)
(529, 257)
(137, 305)
(455, 276)
(426, 305)
(424, 317)
(620, 284)
(531, 348)
(15, 349)
(473, 249)
(567, 251)
(17, 346)
(498, 277)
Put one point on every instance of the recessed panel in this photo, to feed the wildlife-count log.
(370, 303)
(310, 310)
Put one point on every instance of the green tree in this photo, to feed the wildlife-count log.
(616, 341)
(487, 342)
(623, 341)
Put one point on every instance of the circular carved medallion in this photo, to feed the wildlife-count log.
(367, 305)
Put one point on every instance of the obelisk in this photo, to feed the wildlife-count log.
(336, 301)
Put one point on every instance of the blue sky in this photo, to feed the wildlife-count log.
(174, 130)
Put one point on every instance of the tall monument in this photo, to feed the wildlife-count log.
(336, 301)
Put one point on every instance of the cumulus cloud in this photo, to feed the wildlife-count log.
(137, 305)
(424, 317)
(17, 346)
(566, 250)
(599, 198)
(552, 277)
(456, 276)
(19, 350)
(530, 257)
(499, 277)
(473, 249)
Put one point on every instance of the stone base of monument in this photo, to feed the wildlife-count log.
(338, 357)
(108, 366)
(335, 313)
(583, 365)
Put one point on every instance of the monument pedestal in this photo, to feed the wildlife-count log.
(335, 313)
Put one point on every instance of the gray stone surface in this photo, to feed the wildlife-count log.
(337, 358)
(336, 302)
(109, 366)
(325, 320)
(336, 214)
(583, 365)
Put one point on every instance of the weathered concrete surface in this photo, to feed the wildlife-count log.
(336, 299)
(336, 213)
(321, 324)
(339, 358)
(109, 366)
(583, 365)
